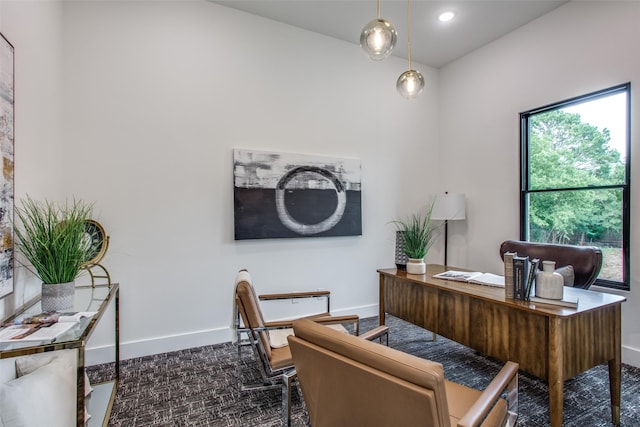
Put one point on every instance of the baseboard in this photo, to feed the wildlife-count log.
(631, 356)
(147, 347)
(363, 311)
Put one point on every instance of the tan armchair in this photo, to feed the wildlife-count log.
(347, 381)
(268, 340)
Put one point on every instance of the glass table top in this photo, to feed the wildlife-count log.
(87, 299)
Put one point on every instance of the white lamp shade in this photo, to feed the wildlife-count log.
(449, 207)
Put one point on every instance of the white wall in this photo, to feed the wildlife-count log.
(156, 95)
(34, 30)
(578, 48)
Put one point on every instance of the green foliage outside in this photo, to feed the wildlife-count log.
(52, 237)
(566, 153)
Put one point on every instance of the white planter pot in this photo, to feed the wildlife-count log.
(58, 297)
(416, 266)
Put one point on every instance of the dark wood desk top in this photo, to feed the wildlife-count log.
(587, 300)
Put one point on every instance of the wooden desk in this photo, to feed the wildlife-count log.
(553, 343)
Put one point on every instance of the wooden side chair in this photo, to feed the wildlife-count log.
(268, 340)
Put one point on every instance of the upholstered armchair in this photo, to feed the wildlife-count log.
(347, 381)
(585, 261)
(268, 340)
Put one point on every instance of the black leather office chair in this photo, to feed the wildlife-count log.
(585, 260)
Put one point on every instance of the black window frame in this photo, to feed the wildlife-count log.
(625, 187)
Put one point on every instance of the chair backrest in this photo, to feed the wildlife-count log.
(249, 308)
(347, 381)
(585, 260)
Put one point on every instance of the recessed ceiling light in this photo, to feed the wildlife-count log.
(446, 16)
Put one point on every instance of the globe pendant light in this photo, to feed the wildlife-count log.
(378, 38)
(410, 83)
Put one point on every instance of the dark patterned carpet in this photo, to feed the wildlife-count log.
(197, 387)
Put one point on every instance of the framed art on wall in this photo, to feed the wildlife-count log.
(280, 195)
(6, 178)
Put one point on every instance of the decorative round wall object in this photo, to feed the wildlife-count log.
(309, 229)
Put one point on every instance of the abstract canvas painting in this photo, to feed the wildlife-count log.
(6, 179)
(280, 195)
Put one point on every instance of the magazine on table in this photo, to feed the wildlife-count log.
(475, 277)
(35, 332)
(41, 327)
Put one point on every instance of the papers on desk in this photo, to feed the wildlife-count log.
(475, 277)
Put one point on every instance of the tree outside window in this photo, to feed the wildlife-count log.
(575, 177)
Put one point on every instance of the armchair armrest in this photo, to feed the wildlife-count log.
(507, 378)
(297, 295)
(277, 324)
(327, 319)
(323, 318)
(293, 295)
(375, 333)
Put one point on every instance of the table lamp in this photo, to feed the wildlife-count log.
(448, 207)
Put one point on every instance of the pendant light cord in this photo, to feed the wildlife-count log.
(409, 30)
(378, 9)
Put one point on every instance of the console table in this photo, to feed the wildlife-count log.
(552, 343)
(87, 298)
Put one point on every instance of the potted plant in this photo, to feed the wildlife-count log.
(418, 234)
(52, 238)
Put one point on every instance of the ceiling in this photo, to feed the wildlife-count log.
(433, 43)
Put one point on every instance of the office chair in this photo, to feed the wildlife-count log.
(586, 261)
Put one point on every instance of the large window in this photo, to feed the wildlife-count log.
(575, 177)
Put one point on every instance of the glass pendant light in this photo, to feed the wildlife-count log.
(378, 38)
(410, 83)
